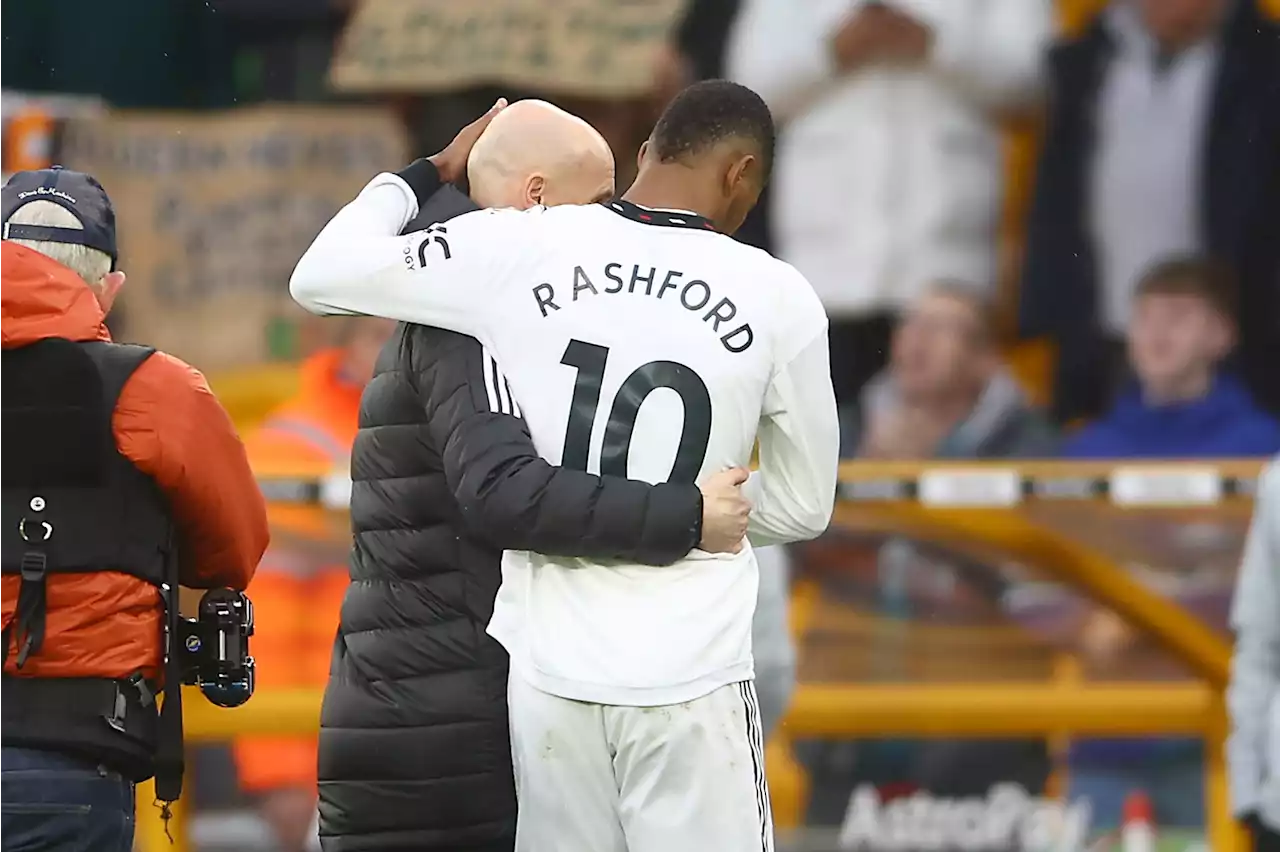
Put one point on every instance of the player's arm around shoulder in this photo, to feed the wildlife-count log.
(360, 263)
(450, 275)
(171, 426)
(799, 433)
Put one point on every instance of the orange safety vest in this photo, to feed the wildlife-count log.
(298, 589)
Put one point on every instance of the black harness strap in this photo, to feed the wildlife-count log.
(47, 697)
(170, 765)
(30, 615)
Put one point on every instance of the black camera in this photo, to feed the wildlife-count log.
(213, 648)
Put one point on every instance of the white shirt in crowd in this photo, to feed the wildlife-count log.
(888, 177)
(1144, 190)
(643, 350)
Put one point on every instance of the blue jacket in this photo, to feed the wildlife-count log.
(1226, 423)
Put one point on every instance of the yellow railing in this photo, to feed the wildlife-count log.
(925, 511)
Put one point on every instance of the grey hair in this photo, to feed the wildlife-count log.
(89, 263)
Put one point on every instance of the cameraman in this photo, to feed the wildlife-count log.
(119, 461)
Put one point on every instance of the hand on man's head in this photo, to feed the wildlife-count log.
(451, 163)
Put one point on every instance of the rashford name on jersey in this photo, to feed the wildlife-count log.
(693, 294)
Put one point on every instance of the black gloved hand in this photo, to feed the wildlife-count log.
(1264, 838)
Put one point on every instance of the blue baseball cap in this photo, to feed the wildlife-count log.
(77, 193)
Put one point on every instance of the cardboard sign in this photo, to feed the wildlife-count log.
(595, 48)
(213, 211)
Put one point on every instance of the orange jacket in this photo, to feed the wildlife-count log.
(297, 593)
(172, 428)
(316, 427)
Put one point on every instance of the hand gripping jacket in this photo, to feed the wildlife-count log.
(74, 505)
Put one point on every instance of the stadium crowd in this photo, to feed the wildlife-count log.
(1137, 246)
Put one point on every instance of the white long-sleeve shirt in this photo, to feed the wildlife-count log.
(654, 351)
(888, 177)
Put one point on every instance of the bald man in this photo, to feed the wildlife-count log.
(414, 744)
(536, 153)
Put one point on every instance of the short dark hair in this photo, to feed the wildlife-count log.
(1192, 275)
(710, 112)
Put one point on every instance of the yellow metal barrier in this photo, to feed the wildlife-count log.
(1064, 705)
(1183, 634)
(999, 710)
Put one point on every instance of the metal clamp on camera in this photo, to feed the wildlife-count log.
(213, 648)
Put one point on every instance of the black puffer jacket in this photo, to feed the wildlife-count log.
(414, 751)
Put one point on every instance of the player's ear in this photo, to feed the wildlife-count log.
(535, 188)
(740, 170)
(644, 150)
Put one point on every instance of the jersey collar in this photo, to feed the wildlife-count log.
(653, 216)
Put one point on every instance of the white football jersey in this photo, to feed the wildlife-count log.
(635, 343)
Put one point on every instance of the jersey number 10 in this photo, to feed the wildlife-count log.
(589, 360)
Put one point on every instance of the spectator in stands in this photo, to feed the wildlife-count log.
(1181, 326)
(889, 166)
(1180, 406)
(1163, 138)
(945, 394)
(298, 590)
